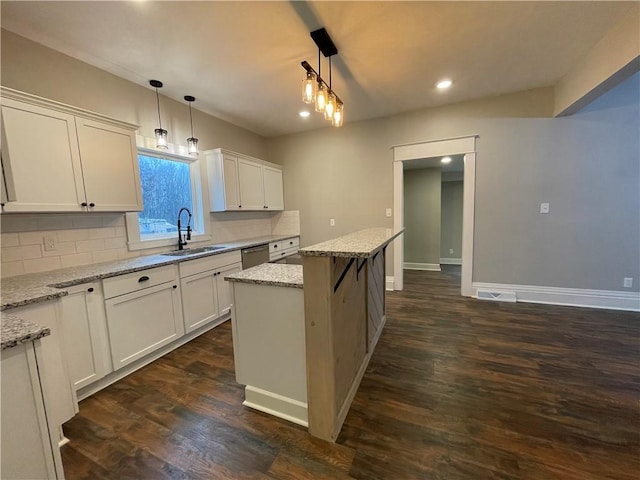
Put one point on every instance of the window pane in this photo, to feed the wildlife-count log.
(166, 188)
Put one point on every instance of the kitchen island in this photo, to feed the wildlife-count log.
(326, 323)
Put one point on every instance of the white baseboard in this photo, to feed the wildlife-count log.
(390, 284)
(574, 297)
(276, 405)
(450, 261)
(432, 267)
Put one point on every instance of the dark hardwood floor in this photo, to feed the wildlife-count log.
(456, 389)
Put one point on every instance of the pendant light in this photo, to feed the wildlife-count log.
(309, 86)
(192, 142)
(315, 90)
(161, 133)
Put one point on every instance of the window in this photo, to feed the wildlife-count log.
(169, 182)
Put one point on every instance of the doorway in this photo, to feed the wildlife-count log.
(415, 152)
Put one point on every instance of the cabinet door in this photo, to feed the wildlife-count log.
(59, 394)
(251, 185)
(26, 449)
(230, 178)
(41, 159)
(110, 167)
(273, 188)
(199, 299)
(85, 341)
(141, 322)
(225, 298)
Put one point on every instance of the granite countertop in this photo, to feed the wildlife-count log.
(363, 243)
(40, 287)
(14, 331)
(275, 274)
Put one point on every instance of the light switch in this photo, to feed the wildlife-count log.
(332, 222)
(628, 282)
(544, 208)
(388, 212)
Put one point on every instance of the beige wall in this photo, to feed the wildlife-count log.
(422, 200)
(585, 165)
(451, 220)
(36, 69)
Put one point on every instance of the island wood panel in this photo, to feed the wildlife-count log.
(337, 338)
(375, 297)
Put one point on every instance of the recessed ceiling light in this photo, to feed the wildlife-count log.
(304, 114)
(445, 160)
(442, 84)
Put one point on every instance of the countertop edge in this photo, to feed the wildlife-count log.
(314, 251)
(272, 283)
(113, 270)
(16, 331)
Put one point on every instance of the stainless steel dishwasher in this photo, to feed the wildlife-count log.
(255, 256)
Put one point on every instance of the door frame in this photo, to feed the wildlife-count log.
(435, 148)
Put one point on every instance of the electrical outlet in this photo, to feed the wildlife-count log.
(544, 208)
(451, 251)
(332, 222)
(49, 243)
(388, 212)
(628, 282)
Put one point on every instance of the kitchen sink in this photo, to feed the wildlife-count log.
(192, 251)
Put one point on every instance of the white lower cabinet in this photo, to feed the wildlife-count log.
(27, 451)
(84, 334)
(143, 315)
(206, 297)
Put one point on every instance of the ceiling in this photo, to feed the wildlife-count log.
(241, 59)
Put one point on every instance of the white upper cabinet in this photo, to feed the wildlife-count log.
(239, 182)
(273, 188)
(251, 186)
(60, 159)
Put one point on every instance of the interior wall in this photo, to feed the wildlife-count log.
(451, 220)
(585, 165)
(422, 209)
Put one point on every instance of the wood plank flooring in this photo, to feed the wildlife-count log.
(456, 389)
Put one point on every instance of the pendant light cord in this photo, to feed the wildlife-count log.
(158, 102)
(191, 119)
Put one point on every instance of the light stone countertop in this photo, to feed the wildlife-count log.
(363, 243)
(275, 274)
(40, 287)
(14, 331)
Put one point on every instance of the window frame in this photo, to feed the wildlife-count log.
(199, 218)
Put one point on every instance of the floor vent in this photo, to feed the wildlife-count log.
(497, 296)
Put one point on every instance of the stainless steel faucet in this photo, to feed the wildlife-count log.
(182, 241)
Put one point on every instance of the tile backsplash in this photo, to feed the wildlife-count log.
(79, 240)
(82, 239)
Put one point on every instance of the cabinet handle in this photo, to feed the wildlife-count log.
(290, 243)
(266, 206)
(83, 204)
(239, 206)
(92, 204)
(143, 279)
(90, 289)
(275, 245)
(175, 286)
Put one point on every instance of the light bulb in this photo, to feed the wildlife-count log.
(309, 88)
(161, 138)
(321, 97)
(330, 107)
(338, 115)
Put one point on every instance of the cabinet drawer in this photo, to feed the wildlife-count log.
(191, 267)
(284, 244)
(132, 282)
(284, 253)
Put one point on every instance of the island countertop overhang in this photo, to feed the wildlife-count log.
(362, 244)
